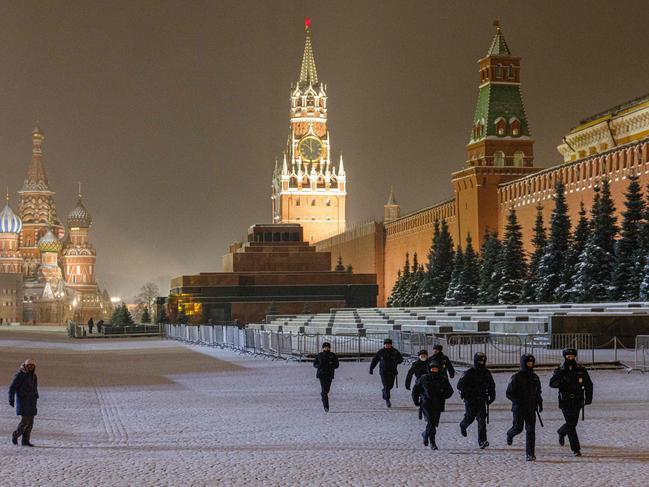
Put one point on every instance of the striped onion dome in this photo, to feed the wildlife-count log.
(9, 221)
(79, 216)
(49, 243)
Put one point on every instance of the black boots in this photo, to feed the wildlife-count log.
(14, 438)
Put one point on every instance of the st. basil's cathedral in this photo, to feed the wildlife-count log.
(47, 274)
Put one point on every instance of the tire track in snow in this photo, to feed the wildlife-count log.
(110, 412)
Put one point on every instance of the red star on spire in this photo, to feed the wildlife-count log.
(307, 23)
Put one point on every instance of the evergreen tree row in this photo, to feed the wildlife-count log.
(597, 261)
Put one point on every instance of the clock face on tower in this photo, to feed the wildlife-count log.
(310, 148)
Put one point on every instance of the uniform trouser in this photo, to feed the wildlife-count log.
(432, 422)
(388, 384)
(476, 411)
(527, 419)
(24, 428)
(325, 386)
(569, 428)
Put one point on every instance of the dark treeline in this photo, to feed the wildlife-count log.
(597, 260)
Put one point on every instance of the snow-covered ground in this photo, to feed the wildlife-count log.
(228, 419)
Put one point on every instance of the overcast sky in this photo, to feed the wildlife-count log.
(172, 113)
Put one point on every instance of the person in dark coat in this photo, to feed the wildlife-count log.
(388, 358)
(100, 324)
(478, 390)
(326, 362)
(418, 368)
(575, 392)
(23, 393)
(445, 362)
(524, 391)
(430, 393)
(91, 324)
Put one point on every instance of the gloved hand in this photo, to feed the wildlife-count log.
(540, 407)
(588, 401)
(417, 403)
(407, 388)
(371, 372)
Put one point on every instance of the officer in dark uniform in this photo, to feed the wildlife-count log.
(387, 359)
(524, 391)
(478, 390)
(575, 392)
(418, 368)
(430, 393)
(445, 362)
(326, 362)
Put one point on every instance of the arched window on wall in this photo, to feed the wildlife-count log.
(519, 158)
(501, 126)
(515, 126)
(499, 158)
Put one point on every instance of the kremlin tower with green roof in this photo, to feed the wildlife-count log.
(500, 147)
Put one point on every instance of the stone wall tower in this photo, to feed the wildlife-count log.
(500, 147)
(308, 189)
(391, 210)
(37, 208)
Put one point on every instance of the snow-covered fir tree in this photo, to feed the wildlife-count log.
(539, 241)
(470, 278)
(595, 267)
(552, 265)
(577, 245)
(453, 293)
(491, 253)
(627, 273)
(512, 264)
(413, 282)
(439, 267)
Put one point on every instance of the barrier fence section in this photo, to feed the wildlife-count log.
(501, 350)
(82, 331)
(642, 352)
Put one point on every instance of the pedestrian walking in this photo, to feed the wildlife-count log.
(91, 324)
(445, 362)
(326, 362)
(388, 358)
(524, 391)
(23, 394)
(575, 392)
(100, 325)
(430, 393)
(478, 390)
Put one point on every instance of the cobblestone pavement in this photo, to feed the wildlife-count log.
(219, 418)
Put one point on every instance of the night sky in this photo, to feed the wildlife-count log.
(172, 113)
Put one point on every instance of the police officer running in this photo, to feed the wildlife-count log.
(478, 390)
(418, 368)
(326, 362)
(430, 393)
(387, 358)
(444, 361)
(575, 392)
(524, 391)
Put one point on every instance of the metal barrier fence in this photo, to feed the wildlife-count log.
(507, 349)
(642, 352)
(501, 350)
(82, 331)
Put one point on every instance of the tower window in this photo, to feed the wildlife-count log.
(297, 202)
(328, 202)
(501, 124)
(499, 158)
(519, 158)
(313, 202)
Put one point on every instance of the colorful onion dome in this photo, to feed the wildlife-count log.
(79, 216)
(49, 243)
(9, 221)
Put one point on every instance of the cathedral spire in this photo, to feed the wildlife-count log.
(391, 199)
(308, 72)
(36, 176)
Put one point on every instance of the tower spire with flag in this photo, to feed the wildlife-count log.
(308, 72)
